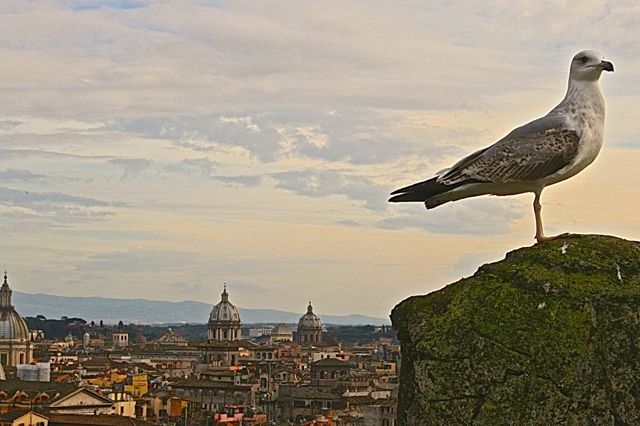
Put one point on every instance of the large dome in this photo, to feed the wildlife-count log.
(12, 326)
(225, 311)
(310, 321)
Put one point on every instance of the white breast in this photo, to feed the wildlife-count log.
(584, 112)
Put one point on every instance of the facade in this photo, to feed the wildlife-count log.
(170, 338)
(309, 328)
(39, 372)
(224, 320)
(120, 339)
(15, 345)
(23, 418)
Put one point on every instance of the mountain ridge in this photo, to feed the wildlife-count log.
(145, 311)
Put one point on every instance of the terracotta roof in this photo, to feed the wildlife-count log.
(101, 363)
(53, 389)
(305, 393)
(203, 383)
(330, 362)
(99, 420)
(359, 399)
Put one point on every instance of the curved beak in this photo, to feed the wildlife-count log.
(606, 66)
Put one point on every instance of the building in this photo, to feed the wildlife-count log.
(281, 333)
(40, 372)
(22, 418)
(15, 345)
(381, 413)
(120, 339)
(224, 320)
(309, 328)
(62, 398)
(170, 338)
(299, 403)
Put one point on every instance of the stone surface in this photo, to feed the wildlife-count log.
(549, 335)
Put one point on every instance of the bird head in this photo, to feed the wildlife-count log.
(588, 65)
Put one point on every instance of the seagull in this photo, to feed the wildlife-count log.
(538, 154)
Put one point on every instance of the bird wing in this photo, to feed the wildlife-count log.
(530, 152)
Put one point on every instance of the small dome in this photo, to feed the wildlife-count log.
(310, 321)
(12, 326)
(281, 330)
(225, 311)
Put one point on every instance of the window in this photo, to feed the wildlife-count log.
(4, 358)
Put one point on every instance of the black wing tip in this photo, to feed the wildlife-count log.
(408, 197)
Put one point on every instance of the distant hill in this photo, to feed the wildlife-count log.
(141, 311)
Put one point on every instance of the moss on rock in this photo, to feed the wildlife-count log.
(549, 335)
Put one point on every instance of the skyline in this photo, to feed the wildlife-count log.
(157, 150)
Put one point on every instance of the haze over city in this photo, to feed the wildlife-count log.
(158, 149)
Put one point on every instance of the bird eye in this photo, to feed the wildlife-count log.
(583, 59)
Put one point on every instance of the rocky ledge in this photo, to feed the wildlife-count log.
(549, 335)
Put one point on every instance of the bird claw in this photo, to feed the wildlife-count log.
(542, 238)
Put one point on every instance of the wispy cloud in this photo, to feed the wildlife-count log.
(476, 217)
(131, 167)
(20, 175)
(325, 183)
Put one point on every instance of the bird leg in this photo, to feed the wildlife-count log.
(537, 209)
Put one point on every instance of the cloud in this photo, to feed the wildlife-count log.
(131, 167)
(349, 222)
(359, 137)
(52, 206)
(19, 175)
(203, 167)
(246, 180)
(193, 166)
(140, 261)
(475, 217)
(324, 183)
(9, 124)
(84, 5)
(28, 198)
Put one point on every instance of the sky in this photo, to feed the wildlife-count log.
(158, 149)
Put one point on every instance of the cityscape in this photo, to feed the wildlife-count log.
(88, 372)
(279, 213)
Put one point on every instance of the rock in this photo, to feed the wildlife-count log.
(549, 335)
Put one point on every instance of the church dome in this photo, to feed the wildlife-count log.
(309, 321)
(281, 329)
(225, 311)
(12, 326)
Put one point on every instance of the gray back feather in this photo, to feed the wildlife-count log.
(530, 152)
